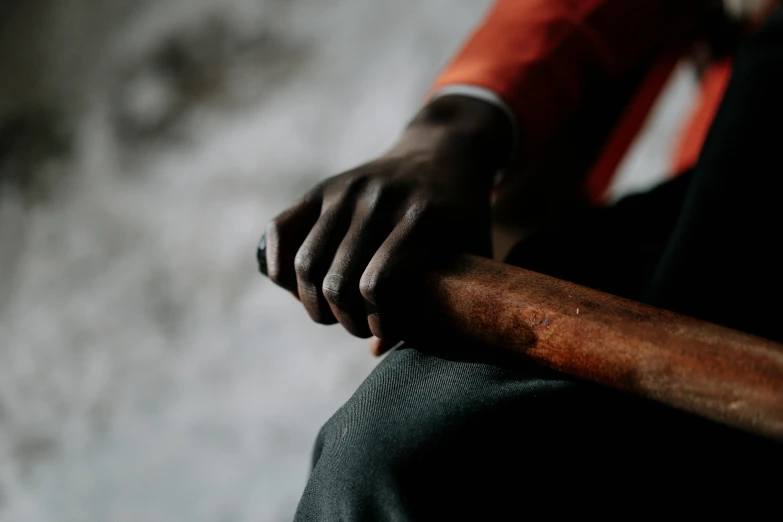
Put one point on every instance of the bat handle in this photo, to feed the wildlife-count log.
(261, 256)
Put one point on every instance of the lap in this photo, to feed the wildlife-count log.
(426, 436)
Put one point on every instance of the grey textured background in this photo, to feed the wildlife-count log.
(146, 372)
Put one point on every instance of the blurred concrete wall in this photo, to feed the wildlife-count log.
(146, 371)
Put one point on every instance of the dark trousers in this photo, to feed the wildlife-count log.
(430, 437)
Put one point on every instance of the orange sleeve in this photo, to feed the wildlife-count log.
(539, 55)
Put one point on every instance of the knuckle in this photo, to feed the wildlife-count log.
(376, 189)
(370, 203)
(371, 287)
(304, 264)
(335, 290)
(351, 182)
(418, 210)
(333, 203)
(362, 183)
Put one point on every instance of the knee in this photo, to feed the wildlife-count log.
(416, 412)
(380, 426)
(363, 449)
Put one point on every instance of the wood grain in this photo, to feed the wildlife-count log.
(719, 373)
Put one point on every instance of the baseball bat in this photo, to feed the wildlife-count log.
(725, 375)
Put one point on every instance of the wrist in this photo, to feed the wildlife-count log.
(472, 131)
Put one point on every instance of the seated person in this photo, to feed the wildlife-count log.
(444, 432)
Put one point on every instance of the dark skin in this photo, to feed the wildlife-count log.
(358, 234)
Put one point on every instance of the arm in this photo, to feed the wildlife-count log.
(346, 242)
(352, 239)
(540, 56)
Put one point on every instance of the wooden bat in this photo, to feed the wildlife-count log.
(716, 372)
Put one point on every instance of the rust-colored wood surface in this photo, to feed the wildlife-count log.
(719, 373)
(722, 374)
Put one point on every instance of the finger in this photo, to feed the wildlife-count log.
(376, 343)
(368, 230)
(285, 235)
(383, 282)
(315, 256)
(379, 347)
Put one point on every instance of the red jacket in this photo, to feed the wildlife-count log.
(539, 55)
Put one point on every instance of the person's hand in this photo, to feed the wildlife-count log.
(351, 241)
